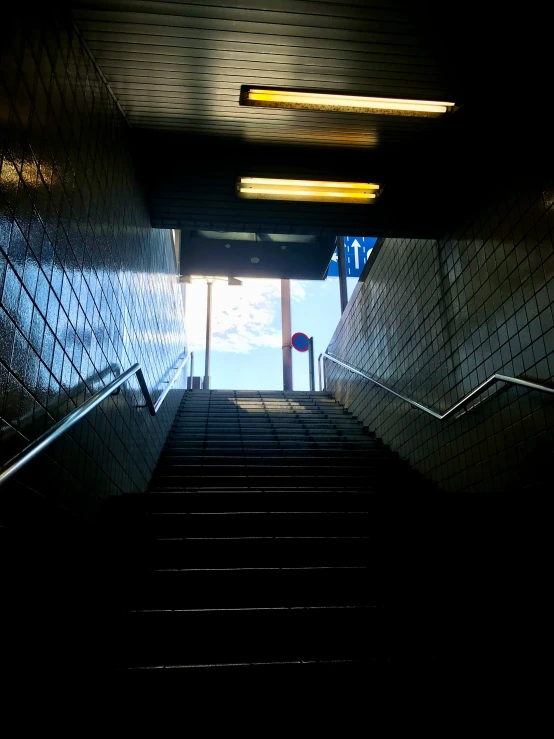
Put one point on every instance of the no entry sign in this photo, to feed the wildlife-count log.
(300, 342)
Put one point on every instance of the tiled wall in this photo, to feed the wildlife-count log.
(434, 319)
(87, 286)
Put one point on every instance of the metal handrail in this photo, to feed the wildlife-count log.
(153, 408)
(59, 428)
(441, 417)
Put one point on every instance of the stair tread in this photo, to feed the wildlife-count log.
(245, 501)
(261, 542)
(255, 588)
(252, 524)
(266, 552)
(308, 634)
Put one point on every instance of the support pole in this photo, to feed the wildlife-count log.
(191, 373)
(286, 333)
(342, 275)
(319, 360)
(208, 337)
(312, 369)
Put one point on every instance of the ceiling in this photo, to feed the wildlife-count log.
(179, 66)
(176, 69)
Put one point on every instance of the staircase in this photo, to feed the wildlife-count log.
(281, 540)
(261, 542)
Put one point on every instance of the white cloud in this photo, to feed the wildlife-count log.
(243, 318)
(298, 290)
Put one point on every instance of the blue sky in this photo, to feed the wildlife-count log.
(246, 329)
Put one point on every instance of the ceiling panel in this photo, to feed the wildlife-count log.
(180, 65)
(176, 69)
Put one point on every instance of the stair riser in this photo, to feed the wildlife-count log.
(284, 467)
(296, 446)
(225, 502)
(277, 460)
(130, 504)
(251, 636)
(269, 427)
(210, 589)
(296, 434)
(193, 484)
(256, 524)
(212, 553)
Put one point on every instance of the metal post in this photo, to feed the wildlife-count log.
(286, 334)
(311, 360)
(191, 374)
(342, 275)
(319, 370)
(208, 337)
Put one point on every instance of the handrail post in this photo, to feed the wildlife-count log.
(191, 374)
(146, 392)
(311, 361)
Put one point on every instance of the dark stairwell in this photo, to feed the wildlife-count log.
(265, 540)
(281, 539)
(88, 288)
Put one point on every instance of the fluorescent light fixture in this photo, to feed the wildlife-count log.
(321, 191)
(274, 98)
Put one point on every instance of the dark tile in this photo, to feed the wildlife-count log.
(490, 319)
(70, 203)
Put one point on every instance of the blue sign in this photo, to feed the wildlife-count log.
(300, 342)
(356, 251)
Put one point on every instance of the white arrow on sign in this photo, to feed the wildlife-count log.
(356, 245)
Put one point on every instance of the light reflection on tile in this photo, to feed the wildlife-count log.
(86, 286)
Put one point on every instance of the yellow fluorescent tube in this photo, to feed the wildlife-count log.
(315, 190)
(345, 102)
(307, 193)
(307, 183)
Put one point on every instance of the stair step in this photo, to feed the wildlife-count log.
(219, 396)
(281, 467)
(251, 636)
(375, 488)
(254, 524)
(284, 444)
(264, 552)
(259, 588)
(300, 425)
(169, 458)
(280, 410)
(254, 408)
(276, 403)
(266, 417)
(298, 490)
(262, 543)
(225, 502)
(270, 425)
(184, 436)
(370, 482)
(266, 431)
(284, 419)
